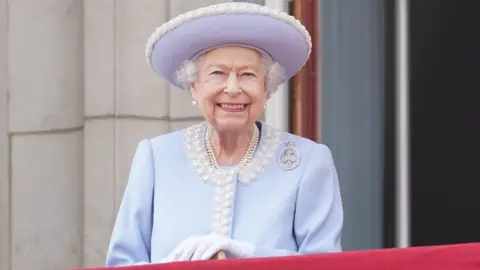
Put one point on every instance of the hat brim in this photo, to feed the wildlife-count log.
(282, 41)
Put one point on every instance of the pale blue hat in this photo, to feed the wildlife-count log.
(190, 34)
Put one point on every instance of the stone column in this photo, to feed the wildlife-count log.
(124, 103)
(4, 146)
(45, 123)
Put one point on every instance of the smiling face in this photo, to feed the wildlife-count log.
(230, 87)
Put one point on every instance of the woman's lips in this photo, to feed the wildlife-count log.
(233, 107)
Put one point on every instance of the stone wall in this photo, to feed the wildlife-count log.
(76, 96)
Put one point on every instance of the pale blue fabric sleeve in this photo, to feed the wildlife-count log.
(130, 240)
(319, 211)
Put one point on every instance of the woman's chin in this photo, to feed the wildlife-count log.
(230, 124)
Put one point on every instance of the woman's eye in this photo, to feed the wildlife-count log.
(249, 74)
(216, 73)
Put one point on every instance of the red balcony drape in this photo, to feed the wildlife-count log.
(450, 257)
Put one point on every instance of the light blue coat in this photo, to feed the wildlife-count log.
(173, 193)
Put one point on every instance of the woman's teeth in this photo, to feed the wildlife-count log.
(233, 106)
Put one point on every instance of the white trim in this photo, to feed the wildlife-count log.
(277, 107)
(225, 180)
(402, 186)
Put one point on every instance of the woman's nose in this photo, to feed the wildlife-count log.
(232, 84)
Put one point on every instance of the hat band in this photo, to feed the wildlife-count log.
(259, 50)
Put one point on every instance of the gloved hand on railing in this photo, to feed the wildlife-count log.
(205, 247)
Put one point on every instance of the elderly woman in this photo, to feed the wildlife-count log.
(233, 183)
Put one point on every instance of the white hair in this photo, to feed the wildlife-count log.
(274, 74)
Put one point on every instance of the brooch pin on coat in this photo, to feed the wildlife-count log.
(289, 156)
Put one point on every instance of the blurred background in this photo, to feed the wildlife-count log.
(393, 88)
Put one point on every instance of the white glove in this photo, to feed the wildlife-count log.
(212, 243)
(204, 247)
(184, 251)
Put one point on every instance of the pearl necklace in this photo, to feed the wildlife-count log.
(248, 155)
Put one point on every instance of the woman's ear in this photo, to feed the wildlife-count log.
(268, 94)
(193, 91)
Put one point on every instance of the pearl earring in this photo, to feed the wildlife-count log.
(194, 102)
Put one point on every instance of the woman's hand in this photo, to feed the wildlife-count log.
(212, 243)
(204, 247)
